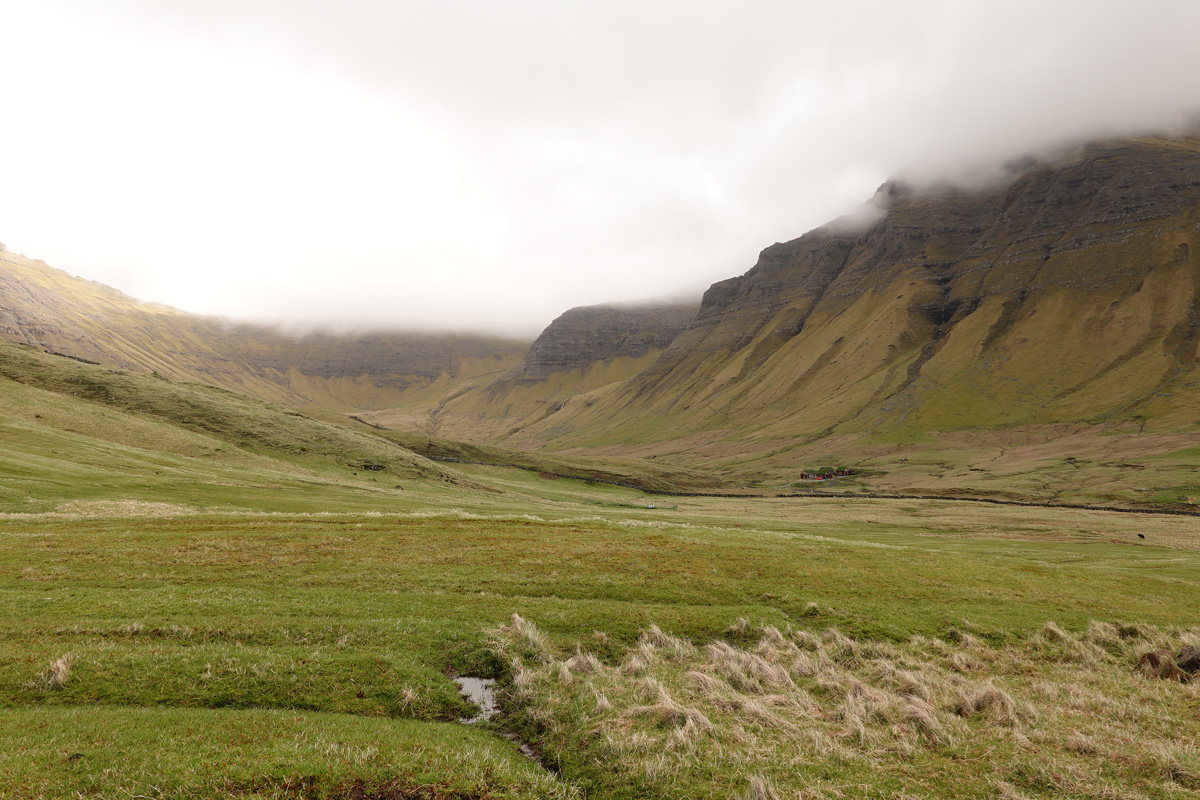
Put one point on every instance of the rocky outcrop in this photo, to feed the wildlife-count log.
(586, 335)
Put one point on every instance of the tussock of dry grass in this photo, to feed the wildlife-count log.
(60, 670)
(996, 703)
(56, 675)
(583, 663)
(1058, 713)
(760, 789)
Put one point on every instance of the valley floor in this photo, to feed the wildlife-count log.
(705, 647)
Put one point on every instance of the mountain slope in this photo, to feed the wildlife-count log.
(1069, 296)
(54, 311)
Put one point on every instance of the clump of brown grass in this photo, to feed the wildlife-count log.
(924, 718)
(762, 710)
(1172, 763)
(531, 637)
(635, 664)
(772, 637)
(806, 640)
(705, 684)
(760, 789)
(1067, 647)
(739, 628)
(583, 663)
(841, 648)
(808, 666)
(987, 699)
(1006, 791)
(60, 671)
(1080, 744)
(1160, 664)
(746, 672)
(523, 680)
(674, 647)
(913, 684)
(666, 711)
(56, 676)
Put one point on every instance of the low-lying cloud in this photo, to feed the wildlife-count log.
(487, 165)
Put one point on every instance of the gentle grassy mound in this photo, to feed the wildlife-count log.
(193, 754)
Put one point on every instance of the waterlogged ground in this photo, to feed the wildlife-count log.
(178, 651)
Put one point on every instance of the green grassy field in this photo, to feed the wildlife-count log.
(188, 612)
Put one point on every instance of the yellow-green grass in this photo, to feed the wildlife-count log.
(366, 614)
(157, 579)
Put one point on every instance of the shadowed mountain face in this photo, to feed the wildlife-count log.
(589, 334)
(54, 311)
(1069, 295)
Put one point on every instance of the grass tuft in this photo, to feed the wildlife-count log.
(760, 789)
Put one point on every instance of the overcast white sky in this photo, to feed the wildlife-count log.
(486, 165)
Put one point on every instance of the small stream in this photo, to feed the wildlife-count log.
(482, 693)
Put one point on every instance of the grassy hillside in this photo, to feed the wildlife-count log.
(79, 432)
(54, 311)
(629, 472)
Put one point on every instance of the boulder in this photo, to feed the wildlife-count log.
(1159, 664)
(1188, 659)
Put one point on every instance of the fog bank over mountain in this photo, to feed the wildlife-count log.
(488, 165)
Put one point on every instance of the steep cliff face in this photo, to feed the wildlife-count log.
(1070, 294)
(54, 311)
(586, 335)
